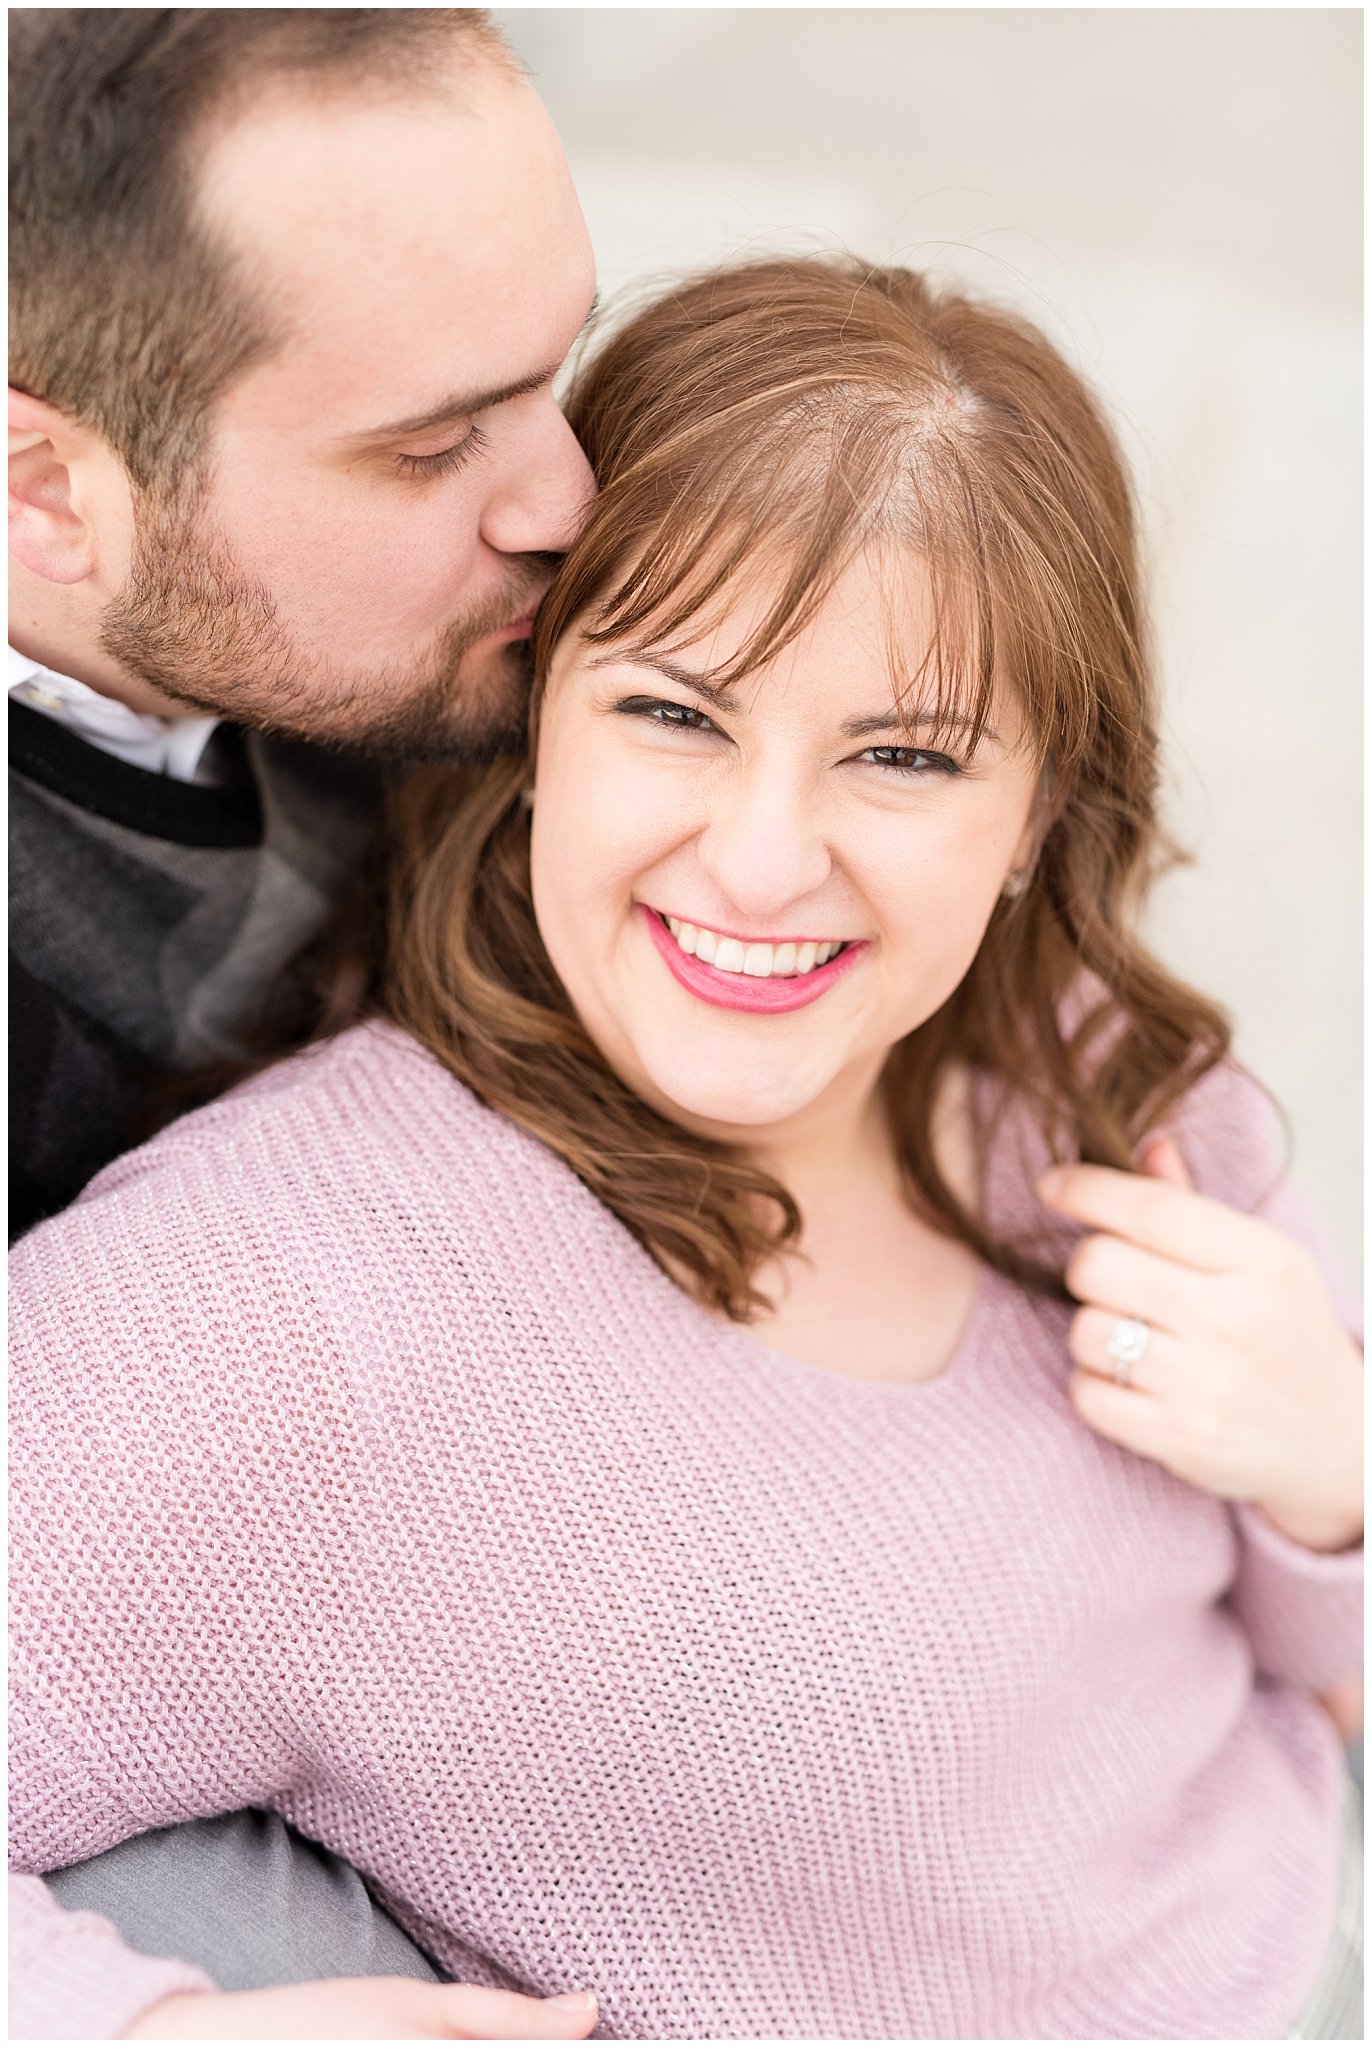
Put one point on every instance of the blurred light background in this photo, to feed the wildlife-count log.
(1175, 195)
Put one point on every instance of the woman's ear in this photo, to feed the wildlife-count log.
(49, 534)
(1043, 812)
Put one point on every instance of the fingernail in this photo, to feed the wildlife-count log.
(573, 2001)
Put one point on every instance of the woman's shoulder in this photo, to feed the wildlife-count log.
(1225, 1120)
(1228, 1126)
(322, 1141)
(1232, 1135)
(371, 1090)
(352, 1206)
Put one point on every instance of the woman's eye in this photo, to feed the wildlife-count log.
(455, 457)
(662, 711)
(912, 761)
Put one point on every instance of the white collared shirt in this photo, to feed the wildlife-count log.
(164, 746)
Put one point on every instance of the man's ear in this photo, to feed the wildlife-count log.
(49, 536)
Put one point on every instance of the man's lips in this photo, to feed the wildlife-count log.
(773, 996)
(514, 629)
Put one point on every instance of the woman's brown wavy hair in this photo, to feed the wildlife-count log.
(779, 418)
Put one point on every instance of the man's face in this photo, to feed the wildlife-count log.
(387, 486)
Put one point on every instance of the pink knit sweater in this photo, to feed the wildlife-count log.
(367, 1470)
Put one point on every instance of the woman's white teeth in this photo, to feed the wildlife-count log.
(736, 957)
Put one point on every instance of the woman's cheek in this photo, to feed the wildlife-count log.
(933, 893)
(597, 831)
(640, 811)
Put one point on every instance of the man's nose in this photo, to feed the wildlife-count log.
(538, 507)
(765, 846)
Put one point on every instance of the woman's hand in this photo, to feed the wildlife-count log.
(367, 2009)
(1248, 1388)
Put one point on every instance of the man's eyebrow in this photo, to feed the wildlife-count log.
(461, 405)
(721, 696)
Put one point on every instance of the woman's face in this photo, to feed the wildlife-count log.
(699, 855)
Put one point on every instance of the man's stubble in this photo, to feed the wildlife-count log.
(194, 625)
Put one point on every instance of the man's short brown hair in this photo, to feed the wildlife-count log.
(124, 313)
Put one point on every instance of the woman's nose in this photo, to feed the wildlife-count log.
(764, 846)
(539, 504)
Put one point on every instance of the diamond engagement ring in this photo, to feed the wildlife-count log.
(1126, 1344)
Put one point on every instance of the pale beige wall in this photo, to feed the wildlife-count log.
(1176, 195)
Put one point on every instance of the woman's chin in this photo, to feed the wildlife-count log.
(722, 1076)
(741, 1104)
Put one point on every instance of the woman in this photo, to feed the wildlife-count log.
(637, 1449)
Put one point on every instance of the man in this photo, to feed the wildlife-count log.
(289, 289)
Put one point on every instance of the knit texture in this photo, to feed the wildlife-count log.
(366, 1469)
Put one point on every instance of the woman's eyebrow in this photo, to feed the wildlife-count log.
(890, 721)
(721, 696)
(718, 694)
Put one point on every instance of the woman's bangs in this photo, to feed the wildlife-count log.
(941, 646)
(792, 527)
(737, 523)
(776, 501)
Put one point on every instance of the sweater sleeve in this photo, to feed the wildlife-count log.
(71, 1976)
(165, 1598)
(1301, 1609)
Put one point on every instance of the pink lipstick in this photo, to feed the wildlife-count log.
(773, 995)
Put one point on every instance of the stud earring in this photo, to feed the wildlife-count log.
(1015, 884)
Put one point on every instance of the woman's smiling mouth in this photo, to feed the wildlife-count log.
(761, 958)
(749, 974)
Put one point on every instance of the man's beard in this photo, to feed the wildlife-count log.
(192, 624)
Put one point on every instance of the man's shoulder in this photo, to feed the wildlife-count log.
(151, 921)
(263, 782)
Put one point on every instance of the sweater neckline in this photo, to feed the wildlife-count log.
(736, 1341)
(755, 1355)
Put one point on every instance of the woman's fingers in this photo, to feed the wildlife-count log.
(1160, 1158)
(1109, 1273)
(1088, 1341)
(1134, 1421)
(1247, 1387)
(1344, 1706)
(1172, 1221)
(479, 2014)
(367, 2009)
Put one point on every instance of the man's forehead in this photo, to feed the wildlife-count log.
(407, 254)
(342, 144)
(462, 401)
